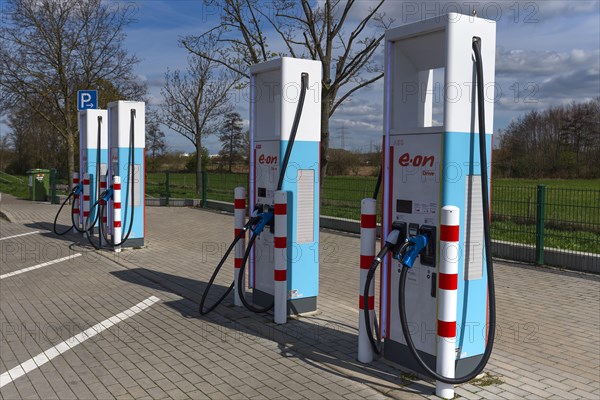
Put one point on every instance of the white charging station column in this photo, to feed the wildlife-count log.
(275, 92)
(431, 160)
(93, 153)
(127, 143)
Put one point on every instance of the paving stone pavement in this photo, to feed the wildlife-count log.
(548, 344)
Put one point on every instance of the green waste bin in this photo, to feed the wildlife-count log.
(39, 184)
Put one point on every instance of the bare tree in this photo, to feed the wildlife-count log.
(155, 140)
(326, 33)
(195, 101)
(35, 144)
(51, 49)
(231, 136)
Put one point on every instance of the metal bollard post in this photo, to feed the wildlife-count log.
(76, 211)
(102, 203)
(117, 212)
(239, 220)
(280, 273)
(447, 299)
(368, 237)
(86, 200)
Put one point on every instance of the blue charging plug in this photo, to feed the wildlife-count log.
(107, 194)
(265, 218)
(78, 189)
(418, 243)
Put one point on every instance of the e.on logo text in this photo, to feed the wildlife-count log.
(406, 160)
(267, 159)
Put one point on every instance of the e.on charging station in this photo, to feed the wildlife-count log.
(119, 213)
(281, 91)
(283, 247)
(437, 305)
(93, 158)
(126, 171)
(90, 181)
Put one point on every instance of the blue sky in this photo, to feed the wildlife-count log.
(548, 54)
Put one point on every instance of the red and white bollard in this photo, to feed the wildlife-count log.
(368, 237)
(117, 233)
(280, 258)
(239, 217)
(102, 203)
(86, 200)
(76, 202)
(447, 299)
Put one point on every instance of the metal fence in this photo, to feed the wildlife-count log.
(213, 186)
(543, 225)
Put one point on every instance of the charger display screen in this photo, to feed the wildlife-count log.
(404, 206)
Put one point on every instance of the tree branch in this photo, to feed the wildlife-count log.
(354, 89)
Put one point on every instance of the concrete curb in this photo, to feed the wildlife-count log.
(6, 216)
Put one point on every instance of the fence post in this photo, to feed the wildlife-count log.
(53, 199)
(204, 179)
(167, 191)
(539, 224)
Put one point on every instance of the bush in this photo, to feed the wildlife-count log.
(342, 162)
(190, 164)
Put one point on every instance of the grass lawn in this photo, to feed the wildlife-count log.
(572, 206)
(15, 185)
(572, 210)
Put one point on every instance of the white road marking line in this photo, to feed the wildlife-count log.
(22, 271)
(73, 341)
(22, 234)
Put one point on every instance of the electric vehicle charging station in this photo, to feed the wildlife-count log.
(434, 200)
(127, 142)
(93, 153)
(275, 92)
(90, 181)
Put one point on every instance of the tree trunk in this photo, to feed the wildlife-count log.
(198, 169)
(326, 105)
(230, 151)
(71, 160)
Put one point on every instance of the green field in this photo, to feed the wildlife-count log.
(572, 209)
(15, 185)
(568, 200)
(592, 184)
(572, 212)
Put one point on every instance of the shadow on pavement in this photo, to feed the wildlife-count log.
(76, 239)
(322, 343)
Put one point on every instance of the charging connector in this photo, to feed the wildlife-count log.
(402, 228)
(427, 255)
(77, 190)
(271, 223)
(417, 244)
(263, 220)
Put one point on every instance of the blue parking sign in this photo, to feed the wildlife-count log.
(87, 99)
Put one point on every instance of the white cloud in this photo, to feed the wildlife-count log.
(521, 62)
(548, 54)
